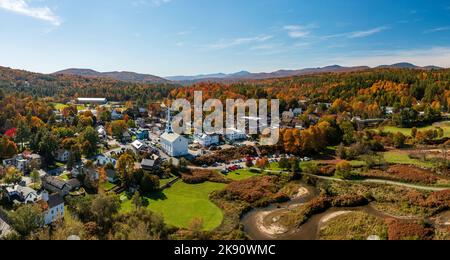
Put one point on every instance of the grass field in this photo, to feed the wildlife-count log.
(107, 186)
(353, 226)
(240, 175)
(60, 106)
(397, 157)
(182, 203)
(407, 131)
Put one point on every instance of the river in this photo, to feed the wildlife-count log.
(256, 228)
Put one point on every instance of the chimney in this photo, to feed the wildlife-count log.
(44, 196)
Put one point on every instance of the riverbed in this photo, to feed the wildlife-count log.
(263, 224)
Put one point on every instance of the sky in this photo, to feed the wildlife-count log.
(189, 37)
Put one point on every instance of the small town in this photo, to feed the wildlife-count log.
(241, 124)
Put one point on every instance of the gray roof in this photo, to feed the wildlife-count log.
(55, 182)
(111, 173)
(74, 183)
(55, 200)
(147, 163)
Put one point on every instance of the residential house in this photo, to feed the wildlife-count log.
(138, 145)
(101, 133)
(140, 122)
(24, 162)
(74, 184)
(105, 159)
(126, 137)
(149, 164)
(116, 115)
(22, 194)
(112, 175)
(206, 140)
(297, 112)
(62, 155)
(142, 134)
(56, 185)
(54, 207)
(233, 135)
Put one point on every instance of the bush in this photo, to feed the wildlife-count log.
(344, 170)
(201, 176)
(405, 230)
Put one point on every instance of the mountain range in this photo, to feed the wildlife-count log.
(116, 75)
(223, 77)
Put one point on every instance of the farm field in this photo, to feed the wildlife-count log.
(182, 203)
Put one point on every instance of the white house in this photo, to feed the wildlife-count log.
(55, 209)
(138, 145)
(101, 132)
(22, 194)
(233, 134)
(23, 162)
(206, 139)
(297, 111)
(174, 145)
(103, 160)
(62, 155)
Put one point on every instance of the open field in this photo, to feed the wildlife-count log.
(182, 203)
(397, 157)
(241, 175)
(407, 131)
(60, 106)
(353, 226)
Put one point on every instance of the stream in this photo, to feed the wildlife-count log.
(256, 230)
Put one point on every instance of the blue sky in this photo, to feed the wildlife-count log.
(185, 37)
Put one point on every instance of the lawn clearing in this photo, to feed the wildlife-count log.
(397, 157)
(407, 131)
(240, 175)
(182, 203)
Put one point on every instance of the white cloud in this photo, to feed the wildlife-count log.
(223, 44)
(298, 31)
(438, 56)
(152, 2)
(23, 8)
(438, 29)
(362, 34)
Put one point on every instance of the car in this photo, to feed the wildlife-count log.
(204, 166)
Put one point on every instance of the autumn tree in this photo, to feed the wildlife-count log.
(125, 168)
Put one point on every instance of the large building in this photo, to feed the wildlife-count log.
(97, 101)
(173, 144)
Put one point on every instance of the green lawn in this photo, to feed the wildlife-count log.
(407, 131)
(403, 158)
(240, 175)
(64, 177)
(182, 203)
(107, 186)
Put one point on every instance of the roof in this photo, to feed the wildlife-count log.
(55, 182)
(55, 200)
(74, 183)
(147, 163)
(92, 99)
(171, 137)
(111, 173)
(137, 144)
(25, 191)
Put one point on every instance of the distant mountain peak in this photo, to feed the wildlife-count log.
(116, 75)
